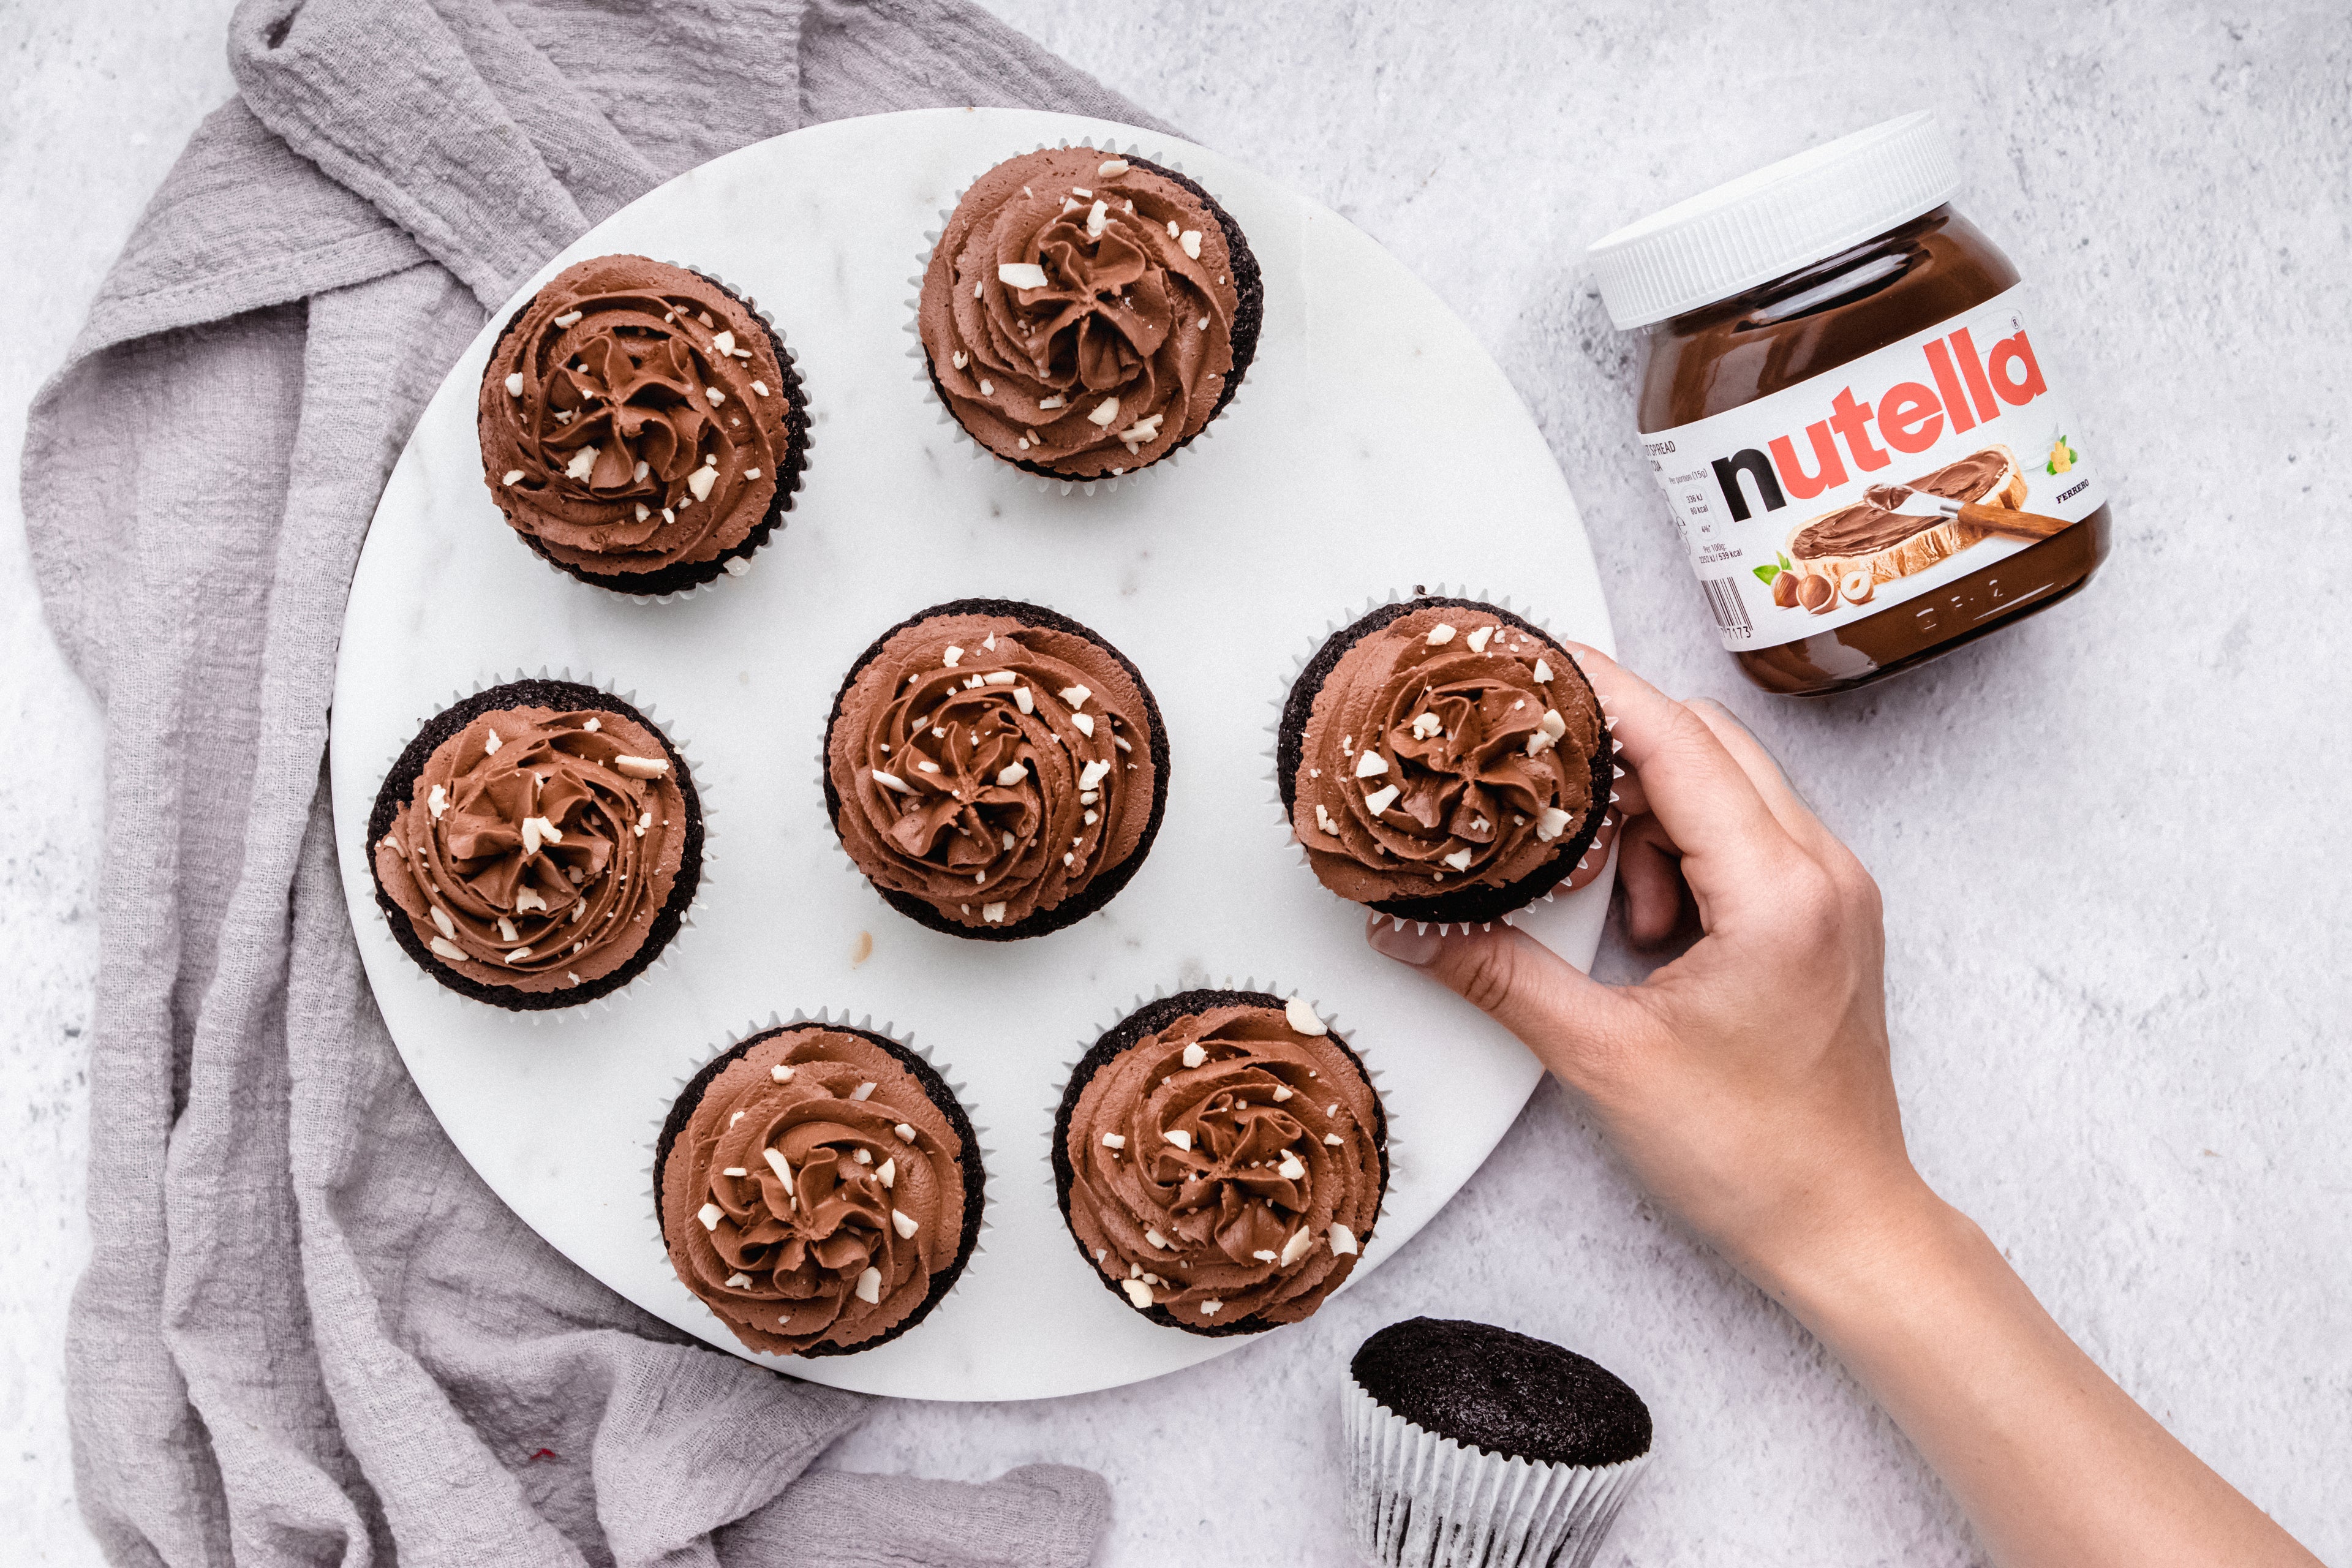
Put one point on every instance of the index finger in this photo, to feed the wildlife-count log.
(1689, 780)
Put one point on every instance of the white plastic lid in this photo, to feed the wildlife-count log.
(1774, 221)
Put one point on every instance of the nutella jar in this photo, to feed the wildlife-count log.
(1845, 408)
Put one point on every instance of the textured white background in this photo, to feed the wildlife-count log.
(2113, 841)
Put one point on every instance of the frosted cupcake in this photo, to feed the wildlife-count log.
(819, 1188)
(642, 427)
(537, 845)
(1442, 760)
(1221, 1158)
(1085, 314)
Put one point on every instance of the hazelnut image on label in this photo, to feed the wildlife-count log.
(1784, 590)
(1857, 586)
(1817, 594)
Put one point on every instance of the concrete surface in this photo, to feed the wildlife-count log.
(2112, 841)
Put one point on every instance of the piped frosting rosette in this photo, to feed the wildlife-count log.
(819, 1187)
(1085, 313)
(642, 427)
(537, 845)
(1443, 760)
(994, 769)
(1221, 1157)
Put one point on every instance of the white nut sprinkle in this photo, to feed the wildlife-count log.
(992, 913)
(1087, 797)
(1172, 228)
(1156, 1240)
(1538, 744)
(1294, 1248)
(1543, 670)
(887, 1173)
(1333, 1139)
(448, 949)
(863, 1091)
(1106, 412)
(716, 396)
(775, 1158)
(1111, 167)
(1194, 1055)
(905, 1134)
(1020, 275)
(1381, 799)
(1282, 1091)
(1211, 1308)
(1290, 1170)
(999, 678)
(1552, 724)
(1440, 635)
(1303, 1017)
(781, 1072)
(642, 767)
(1343, 1241)
(1323, 820)
(567, 318)
(1371, 764)
(869, 1285)
(1075, 696)
(1098, 220)
(1093, 773)
(1459, 860)
(987, 387)
(737, 1281)
(1091, 818)
(1007, 777)
(700, 482)
(1265, 1255)
(1477, 640)
(1114, 1140)
(1085, 724)
(905, 1225)
(1191, 241)
(441, 919)
(952, 656)
(1138, 1292)
(891, 781)
(1178, 1136)
(507, 929)
(513, 476)
(1551, 823)
(861, 1156)
(710, 1215)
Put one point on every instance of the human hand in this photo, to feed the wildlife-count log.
(1745, 1082)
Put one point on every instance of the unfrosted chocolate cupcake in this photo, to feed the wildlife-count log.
(641, 426)
(995, 769)
(1221, 1158)
(819, 1187)
(1085, 314)
(1470, 1445)
(537, 845)
(1442, 760)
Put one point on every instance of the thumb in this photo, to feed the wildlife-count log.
(1568, 1018)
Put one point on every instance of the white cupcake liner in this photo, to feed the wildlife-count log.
(1390, 1144)
(1044, 483)
(594, 1005)
(1416, 1499)
(649, 1217)
(740, 566)
(1589, 869)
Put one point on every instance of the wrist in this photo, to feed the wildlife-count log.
(1885, 1246)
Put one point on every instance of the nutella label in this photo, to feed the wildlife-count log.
(1829, 502)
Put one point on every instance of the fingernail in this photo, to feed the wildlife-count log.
(1414, 947)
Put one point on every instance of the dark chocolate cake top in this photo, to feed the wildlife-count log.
(1506, 1393)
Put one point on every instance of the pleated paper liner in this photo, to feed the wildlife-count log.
(1589, 869)
(1391, 1148)
(558, 1012)
(650, 1214)
(1048, 483)
(1421, 1500)
(779, 515)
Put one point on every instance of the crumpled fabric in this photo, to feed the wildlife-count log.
(309, 1334)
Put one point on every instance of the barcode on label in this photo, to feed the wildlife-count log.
(1723, 599)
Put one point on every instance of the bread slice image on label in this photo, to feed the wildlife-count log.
(1864, 537)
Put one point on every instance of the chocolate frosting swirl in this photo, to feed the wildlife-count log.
(989, 767)
(1227, 1166)
(633, 417)
(813, 1192)
(1079, 311)
(1449, 747)
(537, 848)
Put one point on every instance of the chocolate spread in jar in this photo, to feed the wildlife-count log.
(1781, 415)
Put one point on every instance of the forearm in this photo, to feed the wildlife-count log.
(2054, 1463)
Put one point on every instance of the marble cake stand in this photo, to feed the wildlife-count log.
(1374, 447)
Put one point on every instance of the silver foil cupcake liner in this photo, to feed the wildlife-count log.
(1591, 867)
(1416, 1499)
(649, 1220)
(703, 880)
(1044, 483)
(740, 566)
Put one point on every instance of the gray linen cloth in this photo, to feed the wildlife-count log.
(309, 1334)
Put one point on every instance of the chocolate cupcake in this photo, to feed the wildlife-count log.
(1221, 1157)
(537, 845)
(1471, 1444)
(641, 426)
(996, 770)
(1442, 760)
(1085, 314)
(819, 1188)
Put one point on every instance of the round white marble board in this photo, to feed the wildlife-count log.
(1373, 446)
